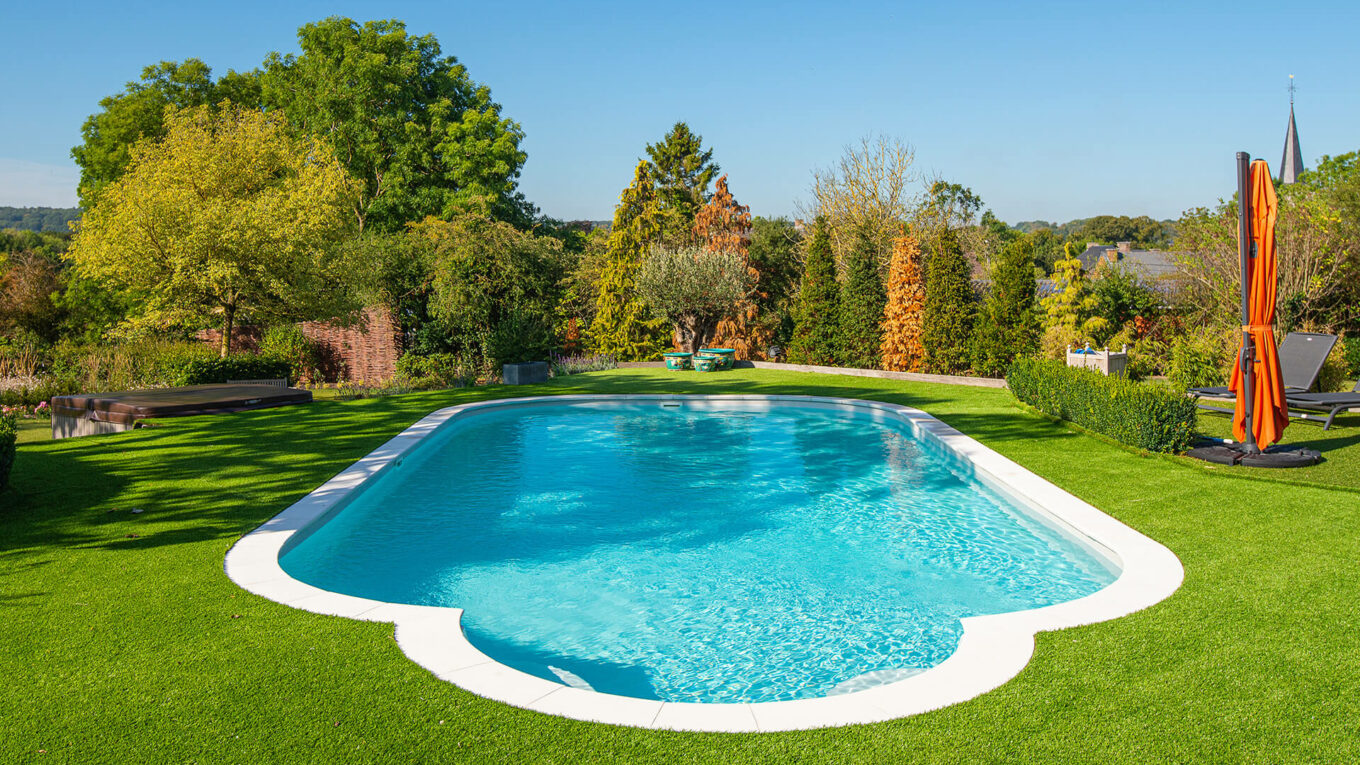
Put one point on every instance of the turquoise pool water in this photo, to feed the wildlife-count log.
(690, 555)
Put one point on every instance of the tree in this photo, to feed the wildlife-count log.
(817, 312)
(494, 288)
(901, 350)
(860, 331)
(623, 327)
(29, 285)
(947, 316)
(869, 186)
(682, 170)
(1070, 308)
(774, 248)
(1006, 326)
(725, 226)
(418, 134)
(694, 289)
(1121, 296)
(139, 112)
(228, 214)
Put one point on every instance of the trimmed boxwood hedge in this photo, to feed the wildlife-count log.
(236, 367)
(1139, 414)
(9, 434)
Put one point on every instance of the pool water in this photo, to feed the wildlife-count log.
(685, 554)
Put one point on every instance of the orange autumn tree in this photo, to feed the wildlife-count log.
(725, 226)
(901, 349)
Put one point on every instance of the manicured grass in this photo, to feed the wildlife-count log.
(125, 642)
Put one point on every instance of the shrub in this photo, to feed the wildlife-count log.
(240, 366)
(1196, 361)
(303, 354)
(9, 433)
(1352, 355)
(523, 334)
(1150, 417)
(126, 366)
(436, 370)
(576, 364)
(1335, 370)
(32, 391)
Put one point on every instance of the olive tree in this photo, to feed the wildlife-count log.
(694, 289)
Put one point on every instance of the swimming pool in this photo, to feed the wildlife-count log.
(702, 555)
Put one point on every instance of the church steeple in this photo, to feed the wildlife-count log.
(1291, 164)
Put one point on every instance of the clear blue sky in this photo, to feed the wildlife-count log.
(1046, 110)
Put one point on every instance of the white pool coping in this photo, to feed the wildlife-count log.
(992, 649)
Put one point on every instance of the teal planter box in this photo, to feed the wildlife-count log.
(678, 361)
(726, 356)
(705, 362)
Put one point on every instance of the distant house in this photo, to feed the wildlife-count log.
(1150, 265)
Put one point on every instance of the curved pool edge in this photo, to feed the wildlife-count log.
(992, 649)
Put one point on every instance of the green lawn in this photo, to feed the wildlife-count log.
(125, 642)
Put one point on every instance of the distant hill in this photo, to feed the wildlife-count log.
(38, 218)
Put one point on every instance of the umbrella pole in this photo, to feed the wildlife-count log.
(1244, 246)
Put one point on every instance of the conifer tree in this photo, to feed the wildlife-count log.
(860, 330)
(725, 226)
(947, 319)
(623, 326)
(901, 350)
(1071, 307)
(1007, 326)
(681, 170)
(817, 311)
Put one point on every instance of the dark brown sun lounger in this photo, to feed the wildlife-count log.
(1331, 403)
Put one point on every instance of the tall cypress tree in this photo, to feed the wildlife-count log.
(1007, 326)
(860, 331)
(901, 349)
(947, 321)
(682, 170)
(817, 311)
(623, 326)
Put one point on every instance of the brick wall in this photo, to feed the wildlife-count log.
(366, 351)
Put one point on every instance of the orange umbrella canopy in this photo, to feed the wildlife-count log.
(1269, 412)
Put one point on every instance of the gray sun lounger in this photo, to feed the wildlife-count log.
(1331, 403)
(1302, 355)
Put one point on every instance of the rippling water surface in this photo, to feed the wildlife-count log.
(695, 555)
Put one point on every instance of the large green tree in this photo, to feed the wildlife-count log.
(817, 313)
(1007, 326)
(623, 325)
(947, 318)
(139, 112)
(420, 136)
(682, 170)
(862, 301)
(229, 214)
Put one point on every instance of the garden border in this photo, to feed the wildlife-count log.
(977, 382)
(992, 649)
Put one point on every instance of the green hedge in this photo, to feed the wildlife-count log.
(235, 367)
(9, 433)
(1147, 416)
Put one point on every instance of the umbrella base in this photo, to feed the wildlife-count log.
(1273, 457)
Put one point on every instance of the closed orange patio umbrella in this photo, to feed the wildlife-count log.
(1261, 413)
